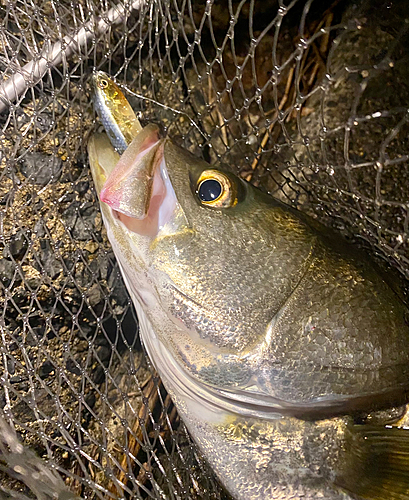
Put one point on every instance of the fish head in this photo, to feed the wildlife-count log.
(106, 89)
(198, 229)
(189, 238)
(247, 297)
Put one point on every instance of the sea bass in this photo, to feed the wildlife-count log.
(283, 348)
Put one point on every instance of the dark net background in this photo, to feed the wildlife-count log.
(308, 100)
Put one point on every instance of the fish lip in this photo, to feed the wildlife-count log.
(141, 154)
(149, 211)
(133, 153)
(94, 77)
(96, 91)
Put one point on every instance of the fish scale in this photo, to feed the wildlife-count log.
(269, 351)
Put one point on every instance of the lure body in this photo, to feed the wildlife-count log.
(115, 112)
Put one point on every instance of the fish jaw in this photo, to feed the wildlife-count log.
(129, 185)
(102, 159)
(133, 238)
(136, 186)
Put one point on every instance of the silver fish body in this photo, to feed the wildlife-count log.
(271, 334)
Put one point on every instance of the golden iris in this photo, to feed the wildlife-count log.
(103, 84)
(215, 189)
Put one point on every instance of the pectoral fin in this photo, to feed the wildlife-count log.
(377, 463)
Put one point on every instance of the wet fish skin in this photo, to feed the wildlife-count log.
(270, 456)
(263, 326)
(296, 316)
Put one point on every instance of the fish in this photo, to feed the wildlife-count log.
(114, 111)
(284, 348)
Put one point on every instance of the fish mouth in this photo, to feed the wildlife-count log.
(94, 79)
(137, 188)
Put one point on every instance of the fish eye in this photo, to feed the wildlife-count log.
(215, 189)
(103, 84)
(209, 190)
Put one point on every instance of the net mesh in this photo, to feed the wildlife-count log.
(308, 100)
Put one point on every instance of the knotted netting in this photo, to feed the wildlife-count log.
(308, 100)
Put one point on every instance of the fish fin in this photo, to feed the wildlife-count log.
(377, 464)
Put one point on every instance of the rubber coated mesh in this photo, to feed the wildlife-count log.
(308, 100)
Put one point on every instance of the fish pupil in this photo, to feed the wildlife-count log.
(209, 190)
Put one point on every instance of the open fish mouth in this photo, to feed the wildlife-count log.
(137, 188)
